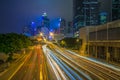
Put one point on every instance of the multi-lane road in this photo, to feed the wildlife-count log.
(76, 67)
(28, 67)
(50, 62)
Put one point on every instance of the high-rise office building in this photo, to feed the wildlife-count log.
(61, 26)
(95, 12)
(44, 21)
(70, 27)
(115, 10)
(105, 11)
(40, 25)
(91, 12)
(86, 13)
(78, 14)
(111, 8)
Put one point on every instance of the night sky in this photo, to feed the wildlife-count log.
(15, 14)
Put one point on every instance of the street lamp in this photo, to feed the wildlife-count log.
(77, 40)
(51, 34)
(41, 34)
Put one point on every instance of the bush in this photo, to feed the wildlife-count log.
(73, 43)
(12, 42)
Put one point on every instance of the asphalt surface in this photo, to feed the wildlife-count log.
(30, 66)
(81, 68)
(50, 62)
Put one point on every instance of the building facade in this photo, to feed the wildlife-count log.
(36, 27)
(86, 13)
(78, 14)
(45, 22)
(111, 8)
(62, 29)
(95, 12)
(105, 10)
(102, 41)
(115, 10)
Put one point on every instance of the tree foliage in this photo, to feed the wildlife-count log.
(71, 42)
(12, 42)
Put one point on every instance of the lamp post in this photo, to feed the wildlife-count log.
(41, 34)
(51, 35)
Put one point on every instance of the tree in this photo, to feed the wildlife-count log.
(70, 42)
(12, 42)
(63, 43)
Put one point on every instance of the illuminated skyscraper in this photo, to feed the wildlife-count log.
(105, 11)
(115, 10)
(78, 15)
(45, 21)
(95, 12)
(61, 26)
(42, 24)
(86, 13)
(112, 8)
(70, 27)
(45, 25)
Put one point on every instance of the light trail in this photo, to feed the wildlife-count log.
(112, 74)
(112, 67)
(54, 69)
(62, 59)
(60, 71)
(86, 76)
(71, 74)
(81, 67)
(66, 71)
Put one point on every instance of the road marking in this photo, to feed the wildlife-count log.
(25, 71)
(41, 76)
(17, 69)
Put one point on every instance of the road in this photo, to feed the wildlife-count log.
(30, 66)
(76, 67)
(50, 62)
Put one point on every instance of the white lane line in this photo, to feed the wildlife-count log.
(45, 50)
(41, 76)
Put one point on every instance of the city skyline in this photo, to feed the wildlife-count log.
(16, 14)
(60, 40)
